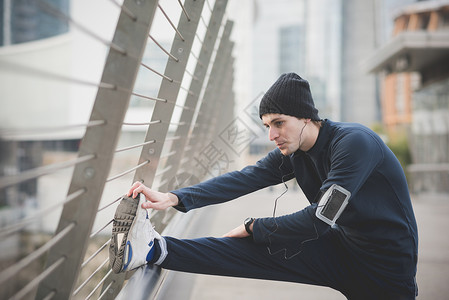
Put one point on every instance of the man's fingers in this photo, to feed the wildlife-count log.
(138, 190)
(133, 187)
(147, 205)
(154, 205)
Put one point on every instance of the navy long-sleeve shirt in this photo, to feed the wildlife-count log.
(378, 225)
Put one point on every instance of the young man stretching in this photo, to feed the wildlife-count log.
(358, 235)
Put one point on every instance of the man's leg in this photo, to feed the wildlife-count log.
(323, 262)
(134, 243)
(316, 264)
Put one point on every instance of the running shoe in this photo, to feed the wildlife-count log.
(133, 235)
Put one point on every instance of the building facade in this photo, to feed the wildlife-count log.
(414, 67)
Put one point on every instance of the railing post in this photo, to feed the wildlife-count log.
(226, 113)
(110, 105)
(169, 91)
(162, 112)
(210, 99)
(192, 98)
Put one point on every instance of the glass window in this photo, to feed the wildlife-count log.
(24, 21)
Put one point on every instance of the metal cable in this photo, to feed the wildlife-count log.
(17, 267)
(7, 230)
(163, 171)
(106, 289)
(191, 75)
(135, 146)
(187, 90)
(8, 133)
(163, 49)
(180, 106)
(171, 23)
(99, 284)
(168, 154)
(177, 124)
(146, 123)
(128, 171)
(204, 22)
(149, 98)
(107, 205)
(101, 229)
(129, 13)
(208, 5)
(184, 10)
(162, 183)
(156, 72)
(199, 38)
(41, 171)
(50, 295)
(197, 59)
(35, 282)
(57, 13)
(95, 254)
(184, 107)
(27, 70)
(183, 88)
(90, 277)
(60, 15)
(173, 138)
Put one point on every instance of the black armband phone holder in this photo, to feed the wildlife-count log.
(332, 204)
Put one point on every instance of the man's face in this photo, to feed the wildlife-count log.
(286, 131)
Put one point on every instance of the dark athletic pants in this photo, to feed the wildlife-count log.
(322, 262)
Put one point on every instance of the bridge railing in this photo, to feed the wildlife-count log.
(168, 128)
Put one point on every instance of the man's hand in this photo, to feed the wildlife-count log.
(239, 232)
(155, 200)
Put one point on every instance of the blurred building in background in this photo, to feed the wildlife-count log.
(414, 67)
(326, 42)
(302, 37)
(27, 33)
(49, 77)
(24, 21)
(400, 90)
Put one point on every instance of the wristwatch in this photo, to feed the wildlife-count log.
(247, 223)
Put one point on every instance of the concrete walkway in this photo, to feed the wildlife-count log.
(432, 213)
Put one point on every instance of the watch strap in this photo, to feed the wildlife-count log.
(247, 223)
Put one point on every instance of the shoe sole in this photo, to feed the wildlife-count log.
(123, 219)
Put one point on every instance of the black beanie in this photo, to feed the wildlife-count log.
(289, 95)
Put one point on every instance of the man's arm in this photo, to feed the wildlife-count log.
(299, 227)
(239, 232)
(354, 157)
(266, 172)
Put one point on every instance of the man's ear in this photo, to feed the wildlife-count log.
(307, 120)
